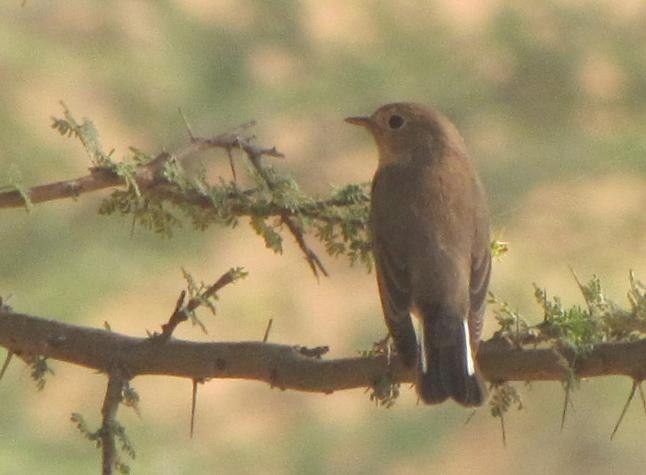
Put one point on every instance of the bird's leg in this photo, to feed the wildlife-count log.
(383, 347)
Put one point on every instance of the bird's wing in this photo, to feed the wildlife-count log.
(479, 283)
(390, 249)
(394, 282)
(387, 221)
(394, 289)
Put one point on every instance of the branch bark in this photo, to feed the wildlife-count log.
(288, 367)
(146, 175)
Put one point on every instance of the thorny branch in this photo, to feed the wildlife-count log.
(151, 182)
(146, 175)
(286, 366)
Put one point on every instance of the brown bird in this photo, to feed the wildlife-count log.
(430, 232)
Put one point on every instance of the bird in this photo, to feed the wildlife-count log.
(429, 227)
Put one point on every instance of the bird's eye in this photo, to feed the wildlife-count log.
(395, 121)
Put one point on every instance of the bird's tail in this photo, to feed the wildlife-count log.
(447, 366)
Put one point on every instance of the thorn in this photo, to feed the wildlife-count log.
(566, 403)
(193, 403)
(502, 428)
(180, 301)
(232, 165)
(576, 277)
(133, 225)
(626, 405)
(473, 413)
(7, 360)
(186, 124)
(267, 330)
(641, 395)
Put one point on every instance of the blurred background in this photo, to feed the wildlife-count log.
(551, 99)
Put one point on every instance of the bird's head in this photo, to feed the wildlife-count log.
(404, 131)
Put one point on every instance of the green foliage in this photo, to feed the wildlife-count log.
(205, 295)
(39, 370)
(339, 222)
(574, 326)
(116, 430)
(344, 229)
(579, 328)
(499, 248)
(86, 133)
(150, 213)
(384, 393)
(15, 182)
(83, 428)
(637, 298)
(148, 210)
(273, 240)
(126, 445)
(196, 291)
(130, 397)
(511, 324)
(503, 397)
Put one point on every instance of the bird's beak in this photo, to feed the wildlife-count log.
(366, 122)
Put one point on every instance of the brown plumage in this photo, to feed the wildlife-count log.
(430, 232)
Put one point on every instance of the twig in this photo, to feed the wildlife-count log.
(312, 259)
(96, 180)
(567, 401)
(232, 166)
(267, 330)
(186, 124)
(146, 175)
(179, 315)
(470, 417)
(194, 403)
(181, 312)
(641, 395)
(109, 413)
(5, 365)
(502, 429)
(625, 408)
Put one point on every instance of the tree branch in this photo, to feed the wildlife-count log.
(109, 421)
(146, 176)
(287, 367)
(151, 183)
(98, 179)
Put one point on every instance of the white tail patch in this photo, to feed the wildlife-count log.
(422, 348)
(467, 349)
